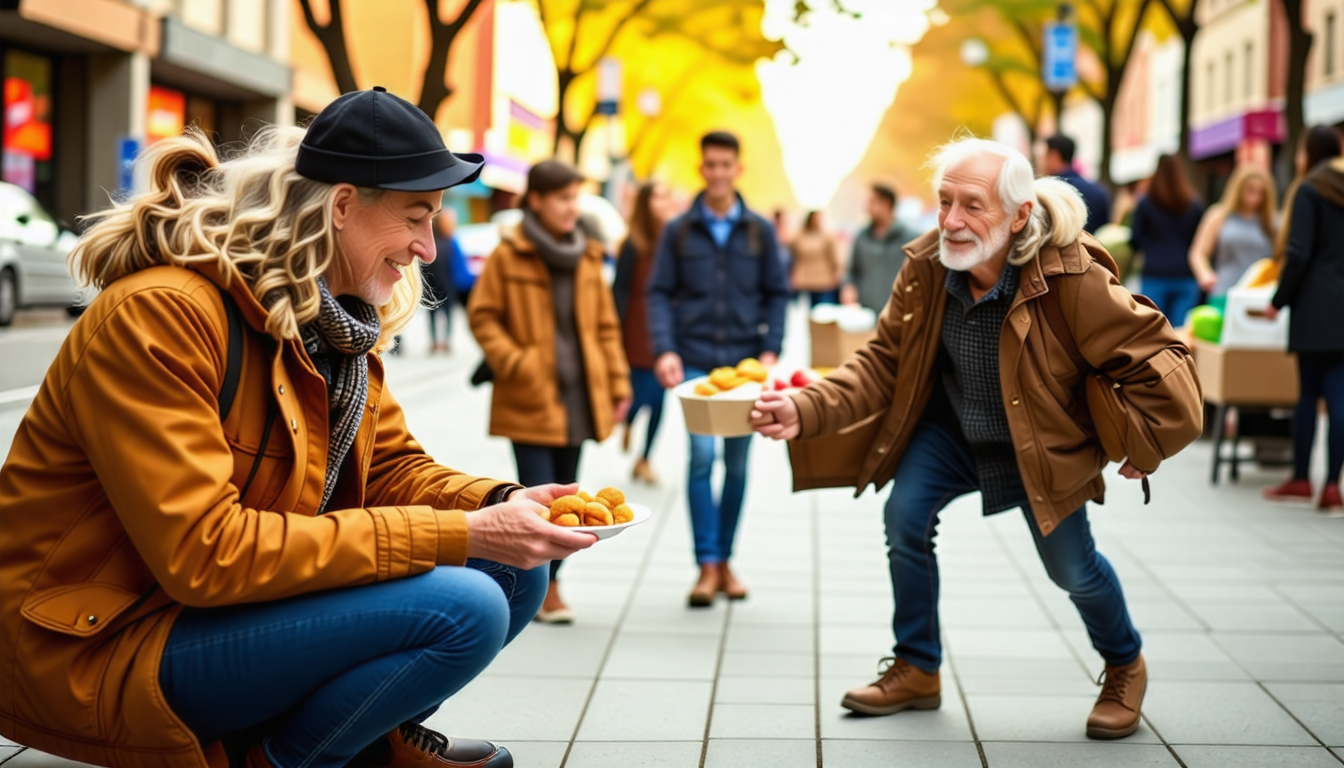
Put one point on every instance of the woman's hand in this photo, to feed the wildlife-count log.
(1207, 281)
(622, 410)
(1271, 312)
(514, 534)
(776, 416)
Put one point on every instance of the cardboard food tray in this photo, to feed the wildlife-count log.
(1249, 377)
(832, 345)
(723, 415)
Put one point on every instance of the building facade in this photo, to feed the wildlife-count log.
(89, 83)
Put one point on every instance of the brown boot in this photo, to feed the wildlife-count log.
(1116, 714)
(644, 473)
(902, 686)
(729, 585)
(702, 594)
(414, 746)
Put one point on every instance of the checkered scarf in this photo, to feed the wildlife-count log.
(338, 342)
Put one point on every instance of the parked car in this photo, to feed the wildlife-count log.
(33, 251)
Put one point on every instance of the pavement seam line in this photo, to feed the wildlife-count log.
(815, 515)
(966, 705)
(17, 752)
(714, 686)
(616, 630)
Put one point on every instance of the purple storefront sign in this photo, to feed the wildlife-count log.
(1226, 135)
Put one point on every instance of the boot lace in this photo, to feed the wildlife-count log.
(1115, 686)
(423, 738)
(891, 670)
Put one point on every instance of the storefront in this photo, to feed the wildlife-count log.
(29, 155)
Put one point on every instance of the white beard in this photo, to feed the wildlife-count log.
(965, 261)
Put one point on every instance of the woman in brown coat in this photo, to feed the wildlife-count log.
(188, 575)
(816, 262)
(547, 323)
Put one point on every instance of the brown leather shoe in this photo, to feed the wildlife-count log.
(414, 746)
(902, 686)
(729, 585)
(1116, 714)
(702, 594)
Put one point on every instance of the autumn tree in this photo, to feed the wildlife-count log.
(1112, 34)
(583, 32)
(434, 86)
(1010, 32)
(1182, 15)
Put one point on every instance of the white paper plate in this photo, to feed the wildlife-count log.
(642, 514)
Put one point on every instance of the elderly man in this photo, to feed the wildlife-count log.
(282, 577)
(975, 389)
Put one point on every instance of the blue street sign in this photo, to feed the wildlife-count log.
(127, 149)
(1058, 56)
(609, 108)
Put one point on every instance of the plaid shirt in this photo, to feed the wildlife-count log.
(970, 342)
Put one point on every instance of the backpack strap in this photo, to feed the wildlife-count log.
(233, 371)
(1054, 317)
(233, 367)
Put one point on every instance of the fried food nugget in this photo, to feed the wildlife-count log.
(567, 520)
(568, 505)
(586, 496)
(723, 378)
(611, 497)
(705, 389)
(622, 514)
(751, 369)
(597, 514)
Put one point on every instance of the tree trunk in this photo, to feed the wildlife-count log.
(332, 38)
(434, 88)
(1107, 128)
(1299, 47)
(1188, 28)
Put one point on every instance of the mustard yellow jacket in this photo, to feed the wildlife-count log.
(119, 505)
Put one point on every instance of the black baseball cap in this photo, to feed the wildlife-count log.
(376, 139)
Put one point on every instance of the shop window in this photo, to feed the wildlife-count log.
(27, 139)
(1250, 71)
(167, 114)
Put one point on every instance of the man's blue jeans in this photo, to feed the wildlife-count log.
(714, 523)
(329, 673)
(938, 468)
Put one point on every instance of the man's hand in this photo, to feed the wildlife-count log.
(1130, 472)
(622, 410)
(776, 416)
(514, 534)
(668, 370)
(849, 295)
(768, 359)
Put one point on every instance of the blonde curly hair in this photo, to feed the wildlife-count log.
(252, 216)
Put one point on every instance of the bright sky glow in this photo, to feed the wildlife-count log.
(827, 107)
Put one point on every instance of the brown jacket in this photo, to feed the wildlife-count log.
(512, 314)
(816, 262)
(119, 505)
(1058, 454)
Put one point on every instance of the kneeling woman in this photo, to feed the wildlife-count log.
(217, 536)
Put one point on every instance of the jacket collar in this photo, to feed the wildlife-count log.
(253, 313)
(697, 209)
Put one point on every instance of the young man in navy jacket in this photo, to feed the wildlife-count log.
(717, 296)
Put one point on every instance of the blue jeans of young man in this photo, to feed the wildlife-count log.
(936, 469)
(1175, 296)
(714, 523)
(325, 675)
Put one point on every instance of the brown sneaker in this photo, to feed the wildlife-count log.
(902, 686)
(414, 746)
(1116, 714)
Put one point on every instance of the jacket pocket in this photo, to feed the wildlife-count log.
(78, 610)
(273, 471)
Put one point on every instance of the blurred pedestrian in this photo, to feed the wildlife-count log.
(1163, 228)
(877, 257)
(1236, 233)
(181, 584)
(1312, 284)
(440, 287)
(816, 261)
(718, 296)
(634, 267)
(1001, 416)
(1059, 161)
(547, 323)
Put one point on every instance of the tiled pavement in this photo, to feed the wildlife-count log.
(1241, 606)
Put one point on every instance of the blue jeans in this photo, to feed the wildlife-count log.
(1175, 296)
(648, 393)
(714, 523)
(938, 468)
(825, 297)
(325, 675)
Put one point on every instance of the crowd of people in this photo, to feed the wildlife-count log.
(222, 541)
